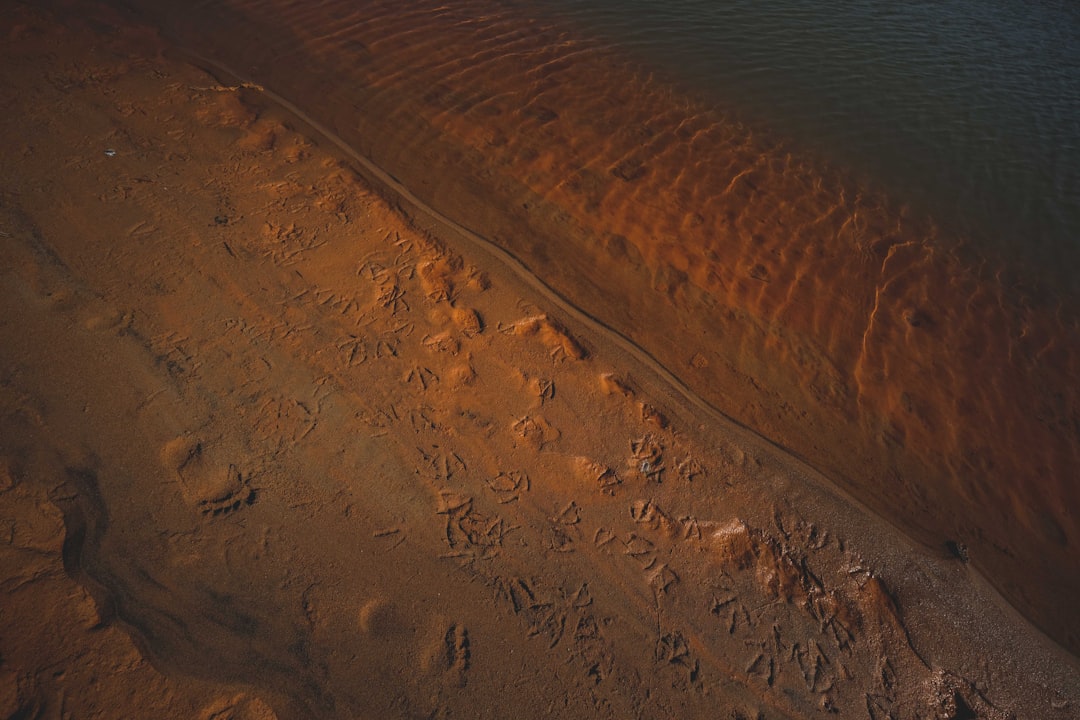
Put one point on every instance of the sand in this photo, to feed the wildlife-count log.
(271, 448)
(931, 380)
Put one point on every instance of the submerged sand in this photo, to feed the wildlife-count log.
(269, 448)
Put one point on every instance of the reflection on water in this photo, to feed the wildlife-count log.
(825, 316)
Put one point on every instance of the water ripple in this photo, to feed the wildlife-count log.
(967, 110)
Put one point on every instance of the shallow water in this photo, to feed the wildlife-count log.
(967, 110)
(913, 365)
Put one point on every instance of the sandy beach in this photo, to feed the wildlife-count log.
(280, 440)
(930, 381)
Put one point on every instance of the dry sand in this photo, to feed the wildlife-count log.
(931, 381)
(268, 449)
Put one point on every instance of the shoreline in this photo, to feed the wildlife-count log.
(785, 298)
(345, 467)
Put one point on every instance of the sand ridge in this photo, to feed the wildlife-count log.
(277, 452)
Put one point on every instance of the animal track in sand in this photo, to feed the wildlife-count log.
(212, 487)
(449, 655)
(468, 321)
(647, 457)
(557, 339)
(458, 654)
(610, 384)
(591, 472)
(535, 431)
(509, 486)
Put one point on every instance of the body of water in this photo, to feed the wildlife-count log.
(968, 111)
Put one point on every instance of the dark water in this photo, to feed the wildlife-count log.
(964, 109)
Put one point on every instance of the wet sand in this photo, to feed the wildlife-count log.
(278, 441)
(932, 383)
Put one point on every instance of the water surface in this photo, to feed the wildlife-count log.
(967, 110)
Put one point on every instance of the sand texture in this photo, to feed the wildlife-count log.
(933, 383)
(277, 442)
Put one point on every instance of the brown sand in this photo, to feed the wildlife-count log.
(934, 384)
(269, 450)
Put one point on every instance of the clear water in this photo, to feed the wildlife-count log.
(966, 109)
